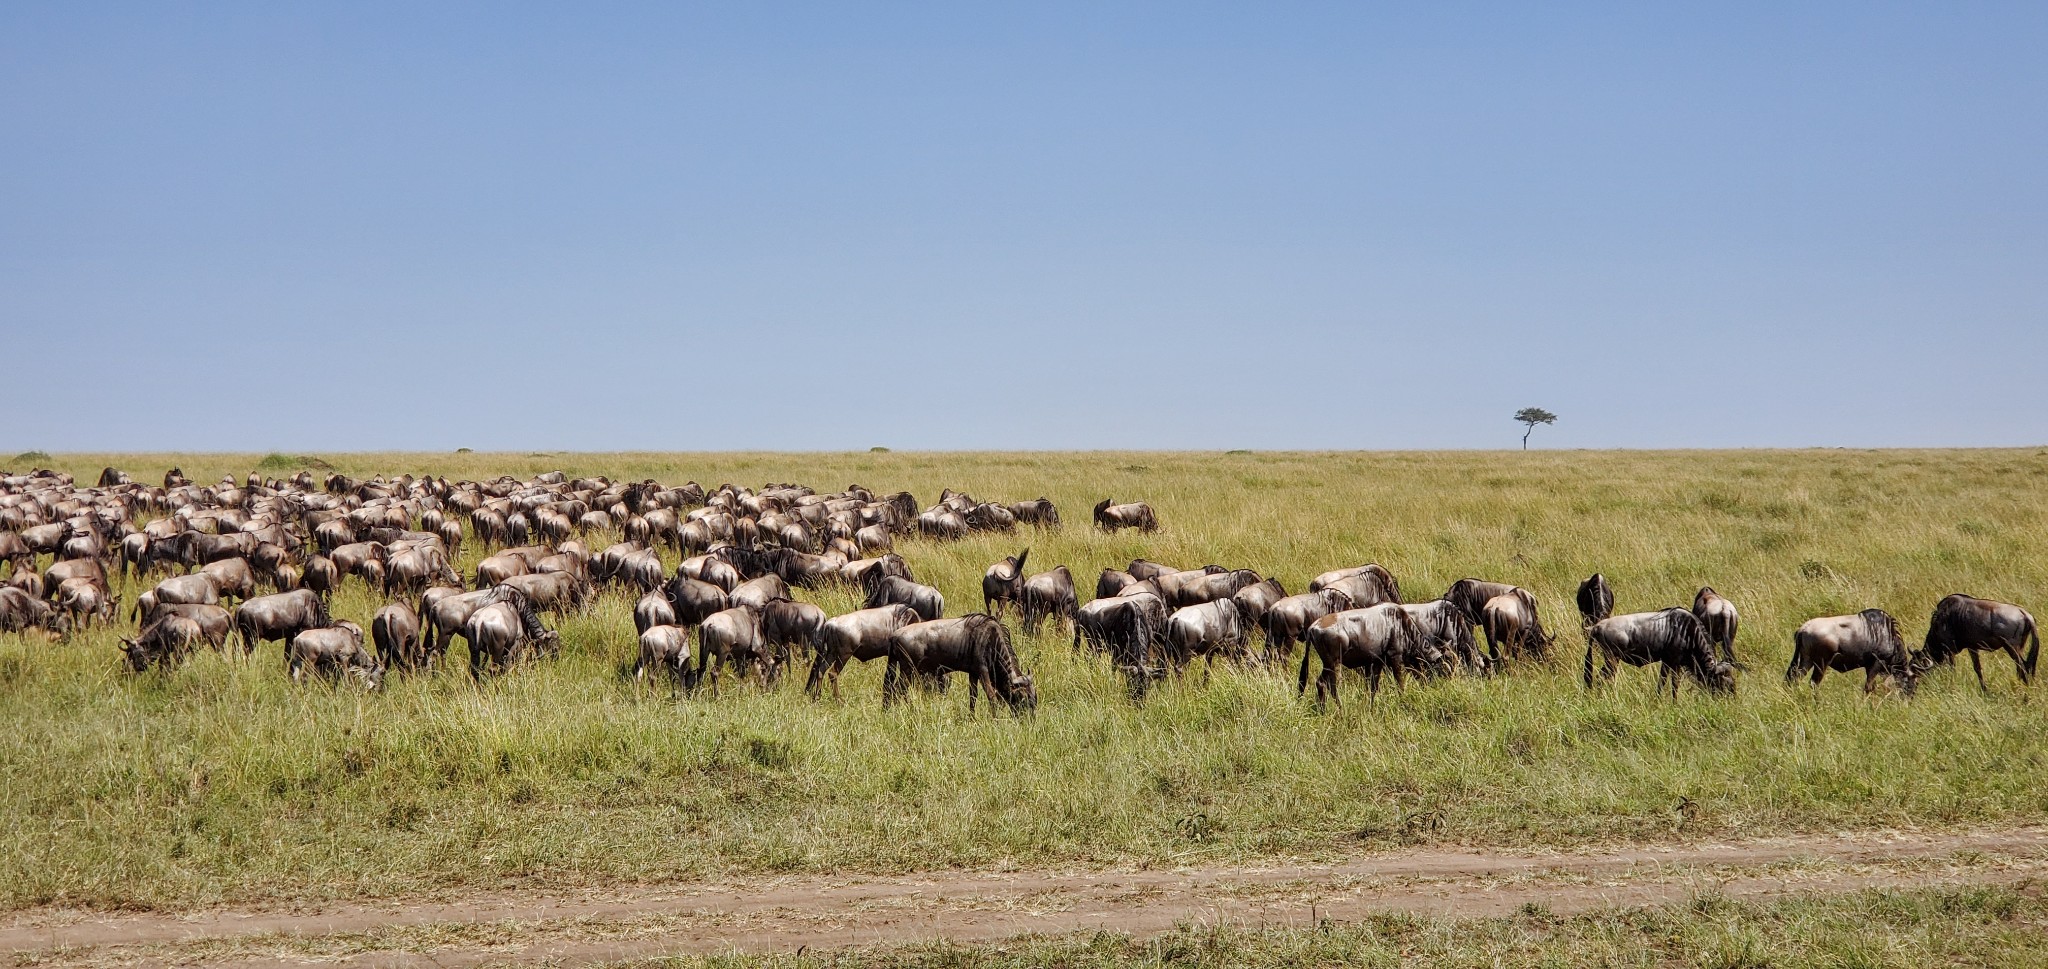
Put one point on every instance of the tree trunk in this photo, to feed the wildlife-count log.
(1525, 436)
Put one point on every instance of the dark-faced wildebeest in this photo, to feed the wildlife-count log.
(758, 591)
(1374, 640)
(1049, 593)
(1673, 638)
(734, 637)
(1719, 616)
(1443, 626)
(1596, 600)
(332, 652)
(977, 645)
(1867, 641)
(279, 616)
(1966, 623)
(1002, 583)
(694, 600)
(860, 635)
(167, 641)
(1110, 517)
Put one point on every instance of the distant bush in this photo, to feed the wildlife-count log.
(878, 450)
(26, 456)
(464, 450)
(288, 462)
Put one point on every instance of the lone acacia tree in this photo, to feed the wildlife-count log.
(1533, 416)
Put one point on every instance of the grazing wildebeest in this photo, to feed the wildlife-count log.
(556, 592)
(443, 613)
(1443, 627)
(653, 609)
(409, 571)
(216, 624)
(321, 577)
(860, 635)
(332, 652)
(279, 616)
(233, 577)
(396, 631)
(1205, 630)
(1867, 641)
(501, 630)
(1110, 517)
(1720, 618)
(196, 588)
(1111, 582)
(734, 637)
(1673, 638)
(167, 641)
(1372, 640)
(55, 575)
(1471, 595)
(1390, 589)
(1049, 593)
(1287, 619)
(642, 570)
(787, 624)
(1257, 599)
(1365, 589)
(1140, 570)
(19, 611)
(500, 567)
(1193, 588)
(977, 645)
(895, 590)
(667, 648)
(85, 602)
(1037, 511)
(1596, 600)
(1002, 583)
(1966, 623)
(1512, 627)
(757, 592)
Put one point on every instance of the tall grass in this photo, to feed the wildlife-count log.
(221, 781)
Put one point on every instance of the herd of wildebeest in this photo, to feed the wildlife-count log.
(258, 561)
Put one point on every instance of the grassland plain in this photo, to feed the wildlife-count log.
(220, 782)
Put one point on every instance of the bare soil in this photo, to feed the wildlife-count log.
(783, 915)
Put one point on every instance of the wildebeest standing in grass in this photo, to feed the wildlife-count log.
(1289, 618)
(653, 609)
(1673, 638)
(1257, 599)
(887, 591)
(734, 637)
(279, 616)
(1596, 600)
(788, 624)
(178, 589)
(1374, 640)
(1205, 630)
(444, 613)
(1390, 588)
(1049, 593)
(1196, 587)
(694, 600)
(977, 645)
(1365, 589)
(1002, 583)
(1512, 627)
(665, 648)
(860, 635)
(1867, 641)
(503, 629)
(1443, 626)
(1111, 582)
(85, 602)
(1966, 623)
(396, 631)
(1719, 616)
(1142, 569)
(332, 652)
(1111, 517)
(165, 642)
(20, 611)
(1037, 511)
(757, 592)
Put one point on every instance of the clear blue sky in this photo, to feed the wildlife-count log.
(355, 226)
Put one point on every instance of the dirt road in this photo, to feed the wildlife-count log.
(781, 915)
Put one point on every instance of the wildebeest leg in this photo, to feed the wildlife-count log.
(1869, 679)
(1978, 665)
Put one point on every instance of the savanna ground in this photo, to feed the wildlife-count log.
(220, 783)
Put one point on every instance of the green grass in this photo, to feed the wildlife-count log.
(222, 782)
(1995, 927)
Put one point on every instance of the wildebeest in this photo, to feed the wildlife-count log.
(1374, 640)
(1110, 517)
(409, 571)
(1205, 630)
(653, 609)
(977, 645)
(1965, 623)
(233, 577)
(555, 592)
(1196, 587)
(1037, 511)
(895, 590)
(1287, 619)
(1257, 599)
(85, 602)
(734, 637)
(1471, 595)
(860, 635)
(444, 612)
(499, 567)
(1002, 583)
(396, 631)
(164, 642)
(332, 652)
(1390, 590)
(1596, 600)
(1111, 582)
(1443, 628)
(321, 577)
(667, 648)
(503, 628)
(1867, 641)
(1673, 638)
(757, 592)
(694, 600)
(1049, 593)
(1141, 569)
(1512, 627)
(279, 616)
(19, 611)
(1719, 616)
(1364, 589)
(787, 624)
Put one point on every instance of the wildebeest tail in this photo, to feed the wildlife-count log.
(1587, 671)
(2033, 645)
(1301, 680)
(320, 612)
